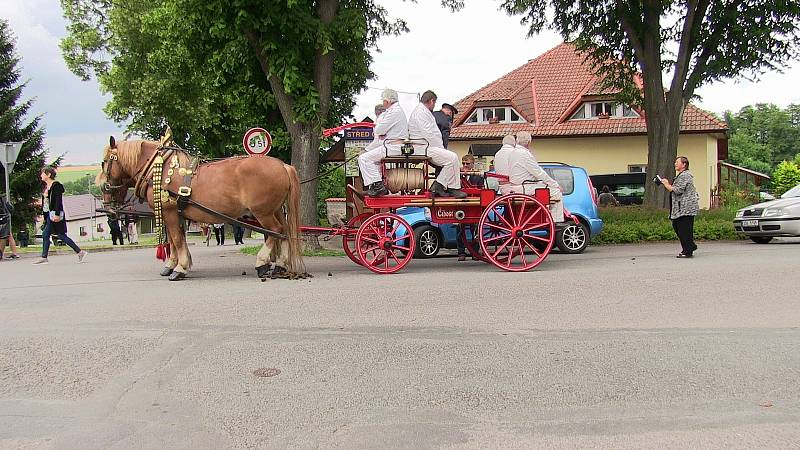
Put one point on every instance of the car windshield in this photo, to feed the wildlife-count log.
(793, 192)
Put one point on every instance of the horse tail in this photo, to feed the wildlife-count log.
(295, 261)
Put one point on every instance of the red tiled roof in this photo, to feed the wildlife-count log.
(546, 91)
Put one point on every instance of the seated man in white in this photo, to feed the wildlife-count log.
(501, 158)
(391, 124)
(422, 124)
(525, 176)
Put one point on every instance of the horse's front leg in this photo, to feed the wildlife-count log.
(177, 237)
(172, 259)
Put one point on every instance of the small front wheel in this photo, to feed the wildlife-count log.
(761, 239)
(385, 243)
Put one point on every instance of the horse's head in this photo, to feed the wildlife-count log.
(113, 180)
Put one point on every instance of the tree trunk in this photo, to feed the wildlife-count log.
(305, 158)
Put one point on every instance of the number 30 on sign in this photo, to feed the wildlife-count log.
(257, 141)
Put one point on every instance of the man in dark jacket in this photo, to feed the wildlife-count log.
(444, 120)
(116, 231)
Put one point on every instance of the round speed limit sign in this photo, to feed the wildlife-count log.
(257, 141)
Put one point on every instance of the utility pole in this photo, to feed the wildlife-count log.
(93, 213)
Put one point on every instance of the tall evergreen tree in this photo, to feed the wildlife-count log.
(24, 178)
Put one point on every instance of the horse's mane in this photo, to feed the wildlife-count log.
(128, 152)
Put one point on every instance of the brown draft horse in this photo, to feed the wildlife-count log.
(258, 186)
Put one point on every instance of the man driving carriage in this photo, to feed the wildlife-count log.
(525, 175)
(393, 126)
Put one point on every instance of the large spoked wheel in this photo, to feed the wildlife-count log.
(516, 232)
(349, 238)
(385, 243)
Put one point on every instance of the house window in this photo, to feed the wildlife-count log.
(82, 231)
(596, 110)
(637, 168)
(503, 114)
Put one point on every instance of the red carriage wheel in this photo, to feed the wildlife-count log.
(516, 232)
(385, 243)
(349, 238)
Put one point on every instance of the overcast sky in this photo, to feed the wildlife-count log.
(453, 54)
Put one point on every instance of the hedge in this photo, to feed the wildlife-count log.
(631, 224)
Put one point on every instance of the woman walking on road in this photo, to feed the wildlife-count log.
(53, 212)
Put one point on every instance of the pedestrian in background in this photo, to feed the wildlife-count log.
(238, 234)
(55, 222)
(133, 232)
(606, 198)
(6, 238)
(116, 232)
(684, 205)
(219, 233)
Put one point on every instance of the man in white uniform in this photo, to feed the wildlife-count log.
(501, 158)
(391, 124)
(525, 176)
(422, 124)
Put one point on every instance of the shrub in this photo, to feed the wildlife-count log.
(785, 177)
(634, 224)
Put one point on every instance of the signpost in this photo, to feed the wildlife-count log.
(9, 151)
(257, 141)
(8, 157)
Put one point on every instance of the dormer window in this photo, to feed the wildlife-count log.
(603, 110)
(495, 114)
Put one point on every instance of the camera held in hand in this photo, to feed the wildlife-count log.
(657, 180)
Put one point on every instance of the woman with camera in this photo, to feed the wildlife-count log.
(54, 219)
(685, 204)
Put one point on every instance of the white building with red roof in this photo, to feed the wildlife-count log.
(557, 98)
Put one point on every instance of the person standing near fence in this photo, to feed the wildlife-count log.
(55, 222)
(684, 205)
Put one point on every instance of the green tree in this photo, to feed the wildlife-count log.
(785, 177)
(697, 41)
(302, 61)
(773, 131)
(744, 151)
(83, 185)
(26, 187)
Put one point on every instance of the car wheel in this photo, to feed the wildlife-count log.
(761, 239)
(573, 239)
(428, 242)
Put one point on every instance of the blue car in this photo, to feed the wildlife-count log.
(580, 199)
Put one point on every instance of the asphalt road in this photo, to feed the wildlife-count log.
(621, 347)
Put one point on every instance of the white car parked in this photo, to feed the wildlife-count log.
(763, 221)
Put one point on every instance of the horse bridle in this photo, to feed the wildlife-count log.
(107, 187)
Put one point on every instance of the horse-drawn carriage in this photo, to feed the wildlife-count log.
(514, 232)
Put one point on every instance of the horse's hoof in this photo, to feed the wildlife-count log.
(263, 271)
(277, 272)
(177, 276)
(165, 271)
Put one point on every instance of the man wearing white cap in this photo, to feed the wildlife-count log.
(524, 173)
(391, 124)
(422, 124)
